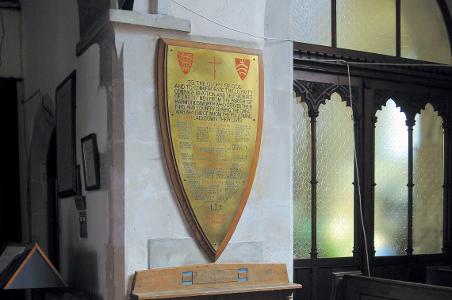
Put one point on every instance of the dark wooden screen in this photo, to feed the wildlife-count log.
(315, 91)
(411, 88)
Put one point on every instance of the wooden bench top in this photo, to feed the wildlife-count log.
(211, 280)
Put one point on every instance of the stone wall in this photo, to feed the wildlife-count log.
(156, 234)
(50, 33)
(134, 221)
(10, 65)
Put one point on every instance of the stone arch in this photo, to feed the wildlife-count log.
(43, 129)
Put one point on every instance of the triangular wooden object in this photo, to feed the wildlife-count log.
(34, 271)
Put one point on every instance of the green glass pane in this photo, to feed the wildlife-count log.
(428, 182)
(335, 179)
(302, 177)
(311, 21)
(391, 177)
(367, 25)
(423, 32)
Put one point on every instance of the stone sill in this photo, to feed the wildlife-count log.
(118, 16)
(149, 20)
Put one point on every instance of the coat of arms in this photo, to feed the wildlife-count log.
(242, 65)
(185, 61)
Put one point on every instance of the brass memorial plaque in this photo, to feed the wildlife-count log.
(211, 107)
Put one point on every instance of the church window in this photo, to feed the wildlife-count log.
(391, 174)
(328, 188)
(367, 25)
(401, 133)
(302, 175)
(315, 29)
(408, 195)
(423, 32)
(428, 179)
(335, 179)
(397, 196)
(403, 28)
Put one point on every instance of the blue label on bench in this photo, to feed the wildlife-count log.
(243, 275)
(187, 278)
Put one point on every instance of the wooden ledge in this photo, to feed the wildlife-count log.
(289, 288)
(212, 280)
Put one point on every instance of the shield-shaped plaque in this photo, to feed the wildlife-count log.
(211, 121)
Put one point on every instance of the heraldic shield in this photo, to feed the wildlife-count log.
(211, 109)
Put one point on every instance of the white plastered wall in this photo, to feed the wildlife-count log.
(50, 33)
(156, 234)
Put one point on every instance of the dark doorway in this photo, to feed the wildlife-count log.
(10, 211)
(52, 203)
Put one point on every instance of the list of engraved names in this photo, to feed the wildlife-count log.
(215, 124)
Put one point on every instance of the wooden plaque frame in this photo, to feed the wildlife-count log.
(91, 163)
(66, 126)
(169, 150)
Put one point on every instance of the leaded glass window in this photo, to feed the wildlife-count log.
(424, 33)
(408, 200)
(302, 175)
(333, 181)
(367, 25)
(416, 30)
(312, 22)
(428, 182)
(335, 176)
(391, 175)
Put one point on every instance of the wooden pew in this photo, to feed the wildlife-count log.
(439, 275)
(336, 279)
(354, 287)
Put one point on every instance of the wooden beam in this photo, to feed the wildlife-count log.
(447, 19)
(15, 5)
(398, 31)
(310, 57)
(333, 24)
